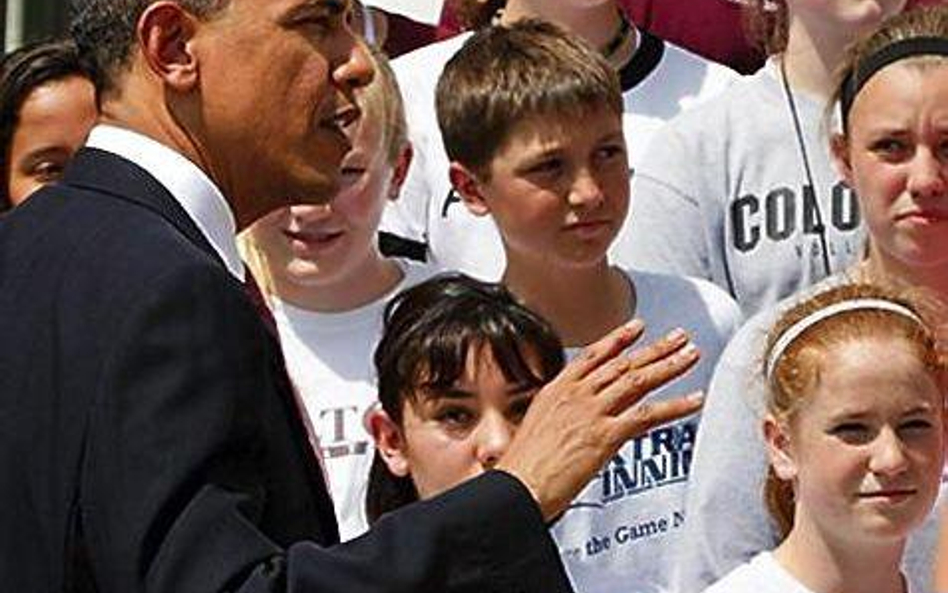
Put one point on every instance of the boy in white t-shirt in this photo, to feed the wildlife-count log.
(327, 284)
(658, 81)
(532, 123)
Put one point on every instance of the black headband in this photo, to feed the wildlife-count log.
(867, 68)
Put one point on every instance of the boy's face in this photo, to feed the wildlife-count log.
(558, 188)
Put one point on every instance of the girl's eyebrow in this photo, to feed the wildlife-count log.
(456, 393)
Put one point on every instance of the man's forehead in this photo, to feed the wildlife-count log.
(333, 6)
(284, 6)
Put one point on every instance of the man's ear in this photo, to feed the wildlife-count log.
(389, 441)
(468, 186)
(776, 435)
(165, 31)
(400, 171)
(839, 146)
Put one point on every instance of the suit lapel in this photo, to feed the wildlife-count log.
(108, 173)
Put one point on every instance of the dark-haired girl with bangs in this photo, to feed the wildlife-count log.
(458, 365)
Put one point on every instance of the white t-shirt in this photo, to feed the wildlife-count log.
(763, 574)
(620, 533)
(662, 81)
(329, 358)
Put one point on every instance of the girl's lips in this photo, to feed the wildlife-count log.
(894, 494)
(311, 239)
(924, 216)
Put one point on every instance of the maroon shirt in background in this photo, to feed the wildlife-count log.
(405, 35)
(709, 28)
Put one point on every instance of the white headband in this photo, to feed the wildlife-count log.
(795, 330)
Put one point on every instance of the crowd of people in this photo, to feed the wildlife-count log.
(293, 300)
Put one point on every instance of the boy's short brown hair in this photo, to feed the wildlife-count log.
(505, 74)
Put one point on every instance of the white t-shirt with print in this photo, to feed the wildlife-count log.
(620, 533)
(329, 358)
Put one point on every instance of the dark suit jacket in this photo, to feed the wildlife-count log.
(148, 441)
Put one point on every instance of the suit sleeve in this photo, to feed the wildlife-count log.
(179, 492)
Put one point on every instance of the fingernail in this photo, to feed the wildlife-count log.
(696, 397)
(635, 325)
(677, 334)
(689, 350)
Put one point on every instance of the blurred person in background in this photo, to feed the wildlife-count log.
(47, 107)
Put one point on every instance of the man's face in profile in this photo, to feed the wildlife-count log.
(276, 81)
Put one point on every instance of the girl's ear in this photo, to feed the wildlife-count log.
(389, 442)
(839, 146)
(466, 183)
(776, 435)
(400, 171)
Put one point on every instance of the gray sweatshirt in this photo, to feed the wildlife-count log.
(719, 195)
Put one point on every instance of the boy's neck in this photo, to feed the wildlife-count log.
(840, 566)
(812, 57)
(582, 304)
(595, 24)
(371, 280)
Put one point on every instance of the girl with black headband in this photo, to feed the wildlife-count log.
(893, 152)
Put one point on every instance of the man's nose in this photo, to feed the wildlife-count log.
(356, 68)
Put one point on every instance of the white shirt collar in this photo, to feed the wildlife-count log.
(189, 185)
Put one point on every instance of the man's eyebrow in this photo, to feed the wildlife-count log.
(326, 7)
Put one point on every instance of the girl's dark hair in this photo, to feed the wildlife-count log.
(766, 24)
(428, 332)
(21, 72)
(474, 14)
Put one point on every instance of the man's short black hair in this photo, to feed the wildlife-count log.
(104, 32)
